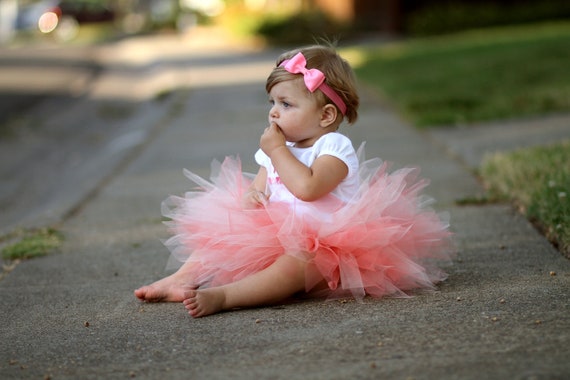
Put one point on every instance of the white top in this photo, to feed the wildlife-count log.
(333, 144)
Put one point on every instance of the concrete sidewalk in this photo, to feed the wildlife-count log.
(504, 312)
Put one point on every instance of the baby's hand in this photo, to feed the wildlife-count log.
(271, 139)
(254, 199)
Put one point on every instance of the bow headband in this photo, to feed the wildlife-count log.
(314, 79)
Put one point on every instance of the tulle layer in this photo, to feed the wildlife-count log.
(385, 242)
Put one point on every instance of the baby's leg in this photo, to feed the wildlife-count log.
(282, 279)
(168, 289)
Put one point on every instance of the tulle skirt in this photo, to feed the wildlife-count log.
(385, 242)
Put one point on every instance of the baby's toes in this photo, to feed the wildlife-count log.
(189, 304)
(195, 312)
(189, 294)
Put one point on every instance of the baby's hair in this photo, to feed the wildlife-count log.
(338, 73)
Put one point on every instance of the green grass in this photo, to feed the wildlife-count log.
(481, 75)
(538, 181)
(33, 244)
(474, 76)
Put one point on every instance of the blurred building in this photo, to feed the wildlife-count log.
(380, 15)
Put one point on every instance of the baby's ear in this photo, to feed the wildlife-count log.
(329, 115)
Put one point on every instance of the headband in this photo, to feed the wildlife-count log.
(314, 79)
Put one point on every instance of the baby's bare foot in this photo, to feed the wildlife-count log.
(200, 303)
(169, 289)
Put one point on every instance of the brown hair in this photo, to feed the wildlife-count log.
(338, 75)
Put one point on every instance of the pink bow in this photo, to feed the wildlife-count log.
(314, 79)
(298, 65)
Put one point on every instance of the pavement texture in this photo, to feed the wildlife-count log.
(105, 152)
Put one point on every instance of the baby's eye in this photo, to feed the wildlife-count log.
(272, 102)
(286, 105)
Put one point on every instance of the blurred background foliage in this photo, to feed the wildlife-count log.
(303, 21)
(286, 22)
(431, 17)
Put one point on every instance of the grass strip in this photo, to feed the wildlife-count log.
(33, 244)
(537, 180)
(472, 76)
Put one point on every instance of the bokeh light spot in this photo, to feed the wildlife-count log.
(48, 22)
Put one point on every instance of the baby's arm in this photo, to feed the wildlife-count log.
(255, 195)
(305, 183)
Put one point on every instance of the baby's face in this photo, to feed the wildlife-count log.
(295, 111)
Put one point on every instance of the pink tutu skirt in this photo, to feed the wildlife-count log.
(385, 242)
